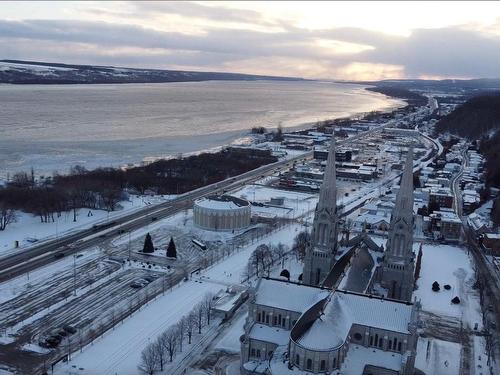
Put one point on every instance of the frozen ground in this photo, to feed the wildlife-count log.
(119, 350)
(437, 357)
(230, 342)
(448, 265)
(28, 227)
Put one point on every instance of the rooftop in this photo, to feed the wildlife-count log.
(345, 309)
(221, 202)
(287, 296)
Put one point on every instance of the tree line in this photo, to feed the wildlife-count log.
(170, 342)
(103, 188)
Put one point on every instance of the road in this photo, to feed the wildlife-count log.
(37, 256)
(488, 278)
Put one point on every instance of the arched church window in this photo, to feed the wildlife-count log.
(309, 364)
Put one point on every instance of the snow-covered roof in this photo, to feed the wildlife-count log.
(343, 310)
(287, 296)
(359, 356)
(221, 202)
(265, 333)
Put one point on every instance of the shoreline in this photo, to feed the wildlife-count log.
(144, 150)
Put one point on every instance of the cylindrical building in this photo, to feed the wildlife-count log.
(222, 213)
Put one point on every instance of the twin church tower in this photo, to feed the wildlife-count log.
(396, 273)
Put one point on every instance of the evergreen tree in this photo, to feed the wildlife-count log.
(171, 250)
(148, 244)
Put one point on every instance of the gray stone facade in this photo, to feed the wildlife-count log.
(320, 256)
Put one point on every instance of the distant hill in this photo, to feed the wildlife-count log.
(35, 72)
(453, 85)
(401, 93)
(490, 148)
(476, 117)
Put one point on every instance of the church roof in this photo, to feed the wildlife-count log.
(287, 296)
(345, 309)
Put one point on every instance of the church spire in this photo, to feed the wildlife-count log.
(328, 192)
(398, 266)
(320, 255)
(404, 198)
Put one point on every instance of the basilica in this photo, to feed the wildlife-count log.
(353, 312)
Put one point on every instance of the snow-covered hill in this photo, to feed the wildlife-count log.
(24, 72)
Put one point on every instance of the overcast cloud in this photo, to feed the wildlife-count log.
(217, 37)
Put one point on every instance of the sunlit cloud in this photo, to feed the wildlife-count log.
(337, 40)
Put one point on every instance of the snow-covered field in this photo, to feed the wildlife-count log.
(438, 357)
(28, 227)
(118, 352)
(448, 265)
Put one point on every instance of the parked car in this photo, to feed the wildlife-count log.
(71, 330)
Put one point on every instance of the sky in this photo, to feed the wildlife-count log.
(321, 40)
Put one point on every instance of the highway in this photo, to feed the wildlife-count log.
(37, 256)
(45, 253)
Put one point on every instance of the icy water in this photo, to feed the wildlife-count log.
(52, 127)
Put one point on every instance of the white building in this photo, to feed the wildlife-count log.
(222, 213)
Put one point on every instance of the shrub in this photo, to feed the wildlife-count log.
(455, 300)
(435, 286)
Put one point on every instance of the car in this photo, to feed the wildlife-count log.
(149, 278)
(154, 218)
(136, 285)
(52, 342)
(58, 255)
(70, 329)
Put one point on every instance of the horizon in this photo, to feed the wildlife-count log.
(341, 41)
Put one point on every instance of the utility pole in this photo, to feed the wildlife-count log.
(74, 274)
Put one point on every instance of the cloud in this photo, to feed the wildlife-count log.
(343, 53)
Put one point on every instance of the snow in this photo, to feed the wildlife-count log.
(448, 265)
(359, 356)
(28, 227)
(230, 342)
(277, 294)
(438, 357)
(35, 68)
(300, 203)
(265, 333)
(118, 351)
(345, 309)
(35, 348)
(217, 203)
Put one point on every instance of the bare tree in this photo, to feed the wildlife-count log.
(160, 347)
(149, 360)
(208, 304)
(170, 337)
(181, 330)
(199, 311)
(190, 324)
(300, 244)
(7, 216)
